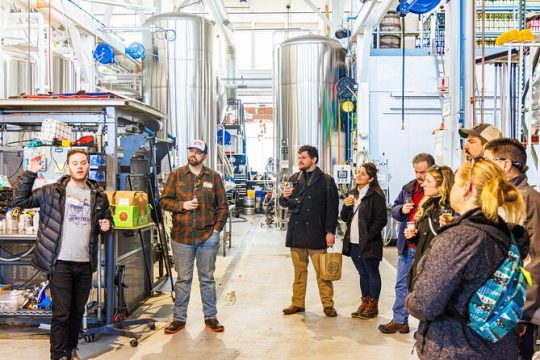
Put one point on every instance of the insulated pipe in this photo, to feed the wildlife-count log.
(219, 14)
(461, 118)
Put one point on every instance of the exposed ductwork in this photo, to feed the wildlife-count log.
(219, 14)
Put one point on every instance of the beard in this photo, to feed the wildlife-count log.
(194, 162)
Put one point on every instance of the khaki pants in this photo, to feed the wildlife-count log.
(300, 259)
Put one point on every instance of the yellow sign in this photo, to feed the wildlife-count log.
(347, 106)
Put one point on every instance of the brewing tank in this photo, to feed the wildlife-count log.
(65, 76)
(178, 79)
(17, 75)
(306, 69)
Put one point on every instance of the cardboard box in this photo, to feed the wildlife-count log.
(111, 196)
(112, 200)
(132, 198)
(126, 216)
(144, 216)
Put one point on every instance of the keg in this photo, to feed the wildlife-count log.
(391, 22)
(249, 206)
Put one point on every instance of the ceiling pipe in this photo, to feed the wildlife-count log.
(219, 14)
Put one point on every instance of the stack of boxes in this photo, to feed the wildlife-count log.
(130, 208)
(52, 130)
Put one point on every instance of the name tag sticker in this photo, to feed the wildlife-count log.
(208, 185)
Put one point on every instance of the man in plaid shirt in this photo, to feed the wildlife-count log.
(196, 197)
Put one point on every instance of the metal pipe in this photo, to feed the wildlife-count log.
(461, 118)
(318, 12)
(473, 59)
(483, 61)
(219, 14)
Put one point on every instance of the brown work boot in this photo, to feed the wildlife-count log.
(330, 311)
(361, 307)
(371, 310)
(293, 309)
(393, 327)
(214, 325)
(175, 326)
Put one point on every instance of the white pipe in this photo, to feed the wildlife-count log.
(319, 13)
(43, 85)
(219, 14)
(358, 26)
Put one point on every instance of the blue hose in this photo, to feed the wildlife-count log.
(402, 72)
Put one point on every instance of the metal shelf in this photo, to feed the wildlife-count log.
(27, 313)
(490, 34)
(506, 8)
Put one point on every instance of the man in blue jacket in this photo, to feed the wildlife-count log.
(403, 210)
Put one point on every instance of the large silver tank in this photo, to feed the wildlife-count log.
(65, 76)
(306, 69)
(178, 79)
(16, 76)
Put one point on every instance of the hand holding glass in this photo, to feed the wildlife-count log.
(287, 189)
(349, 200)
(448, 216)
(195, 200)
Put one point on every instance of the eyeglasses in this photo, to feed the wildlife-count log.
(514, 163)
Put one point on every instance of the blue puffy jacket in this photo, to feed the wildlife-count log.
(406, 192)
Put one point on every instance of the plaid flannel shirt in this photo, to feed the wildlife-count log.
(195, 226)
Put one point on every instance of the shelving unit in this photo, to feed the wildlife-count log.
(501, 16)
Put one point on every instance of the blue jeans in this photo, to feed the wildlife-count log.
(184, 258)
(404, 265)
(368, 269)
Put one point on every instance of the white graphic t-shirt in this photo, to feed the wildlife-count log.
(75, 242)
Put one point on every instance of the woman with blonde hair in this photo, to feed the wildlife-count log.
(461, 258)
(436, 201)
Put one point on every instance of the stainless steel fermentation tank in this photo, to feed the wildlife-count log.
(178, 78)
(18, 76)
(306, 70)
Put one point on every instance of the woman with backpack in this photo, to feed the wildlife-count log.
(364, 211)
(462, 257)
(436, 201)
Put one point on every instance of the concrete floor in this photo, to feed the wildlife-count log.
(254, 284)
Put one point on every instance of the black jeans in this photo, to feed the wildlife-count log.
(70, 286)
(527, 342)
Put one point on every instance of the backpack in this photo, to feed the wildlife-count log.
(496, 307)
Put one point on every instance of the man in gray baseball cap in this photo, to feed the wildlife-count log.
(477, 138)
